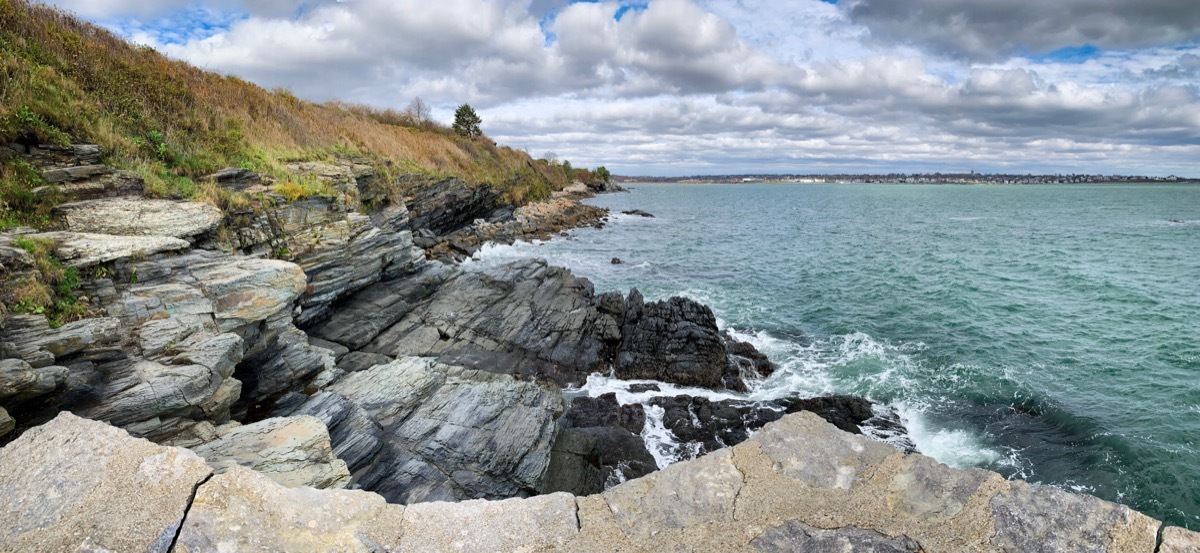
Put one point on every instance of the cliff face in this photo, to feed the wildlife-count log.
(798, 485)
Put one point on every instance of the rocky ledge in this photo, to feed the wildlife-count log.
(799, 484)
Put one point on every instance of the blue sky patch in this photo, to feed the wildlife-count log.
(1070, 54)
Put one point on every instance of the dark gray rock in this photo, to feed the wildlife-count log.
(355, 436)
(235, 178)
(445, 433)
(361, 361)
(638, 213)
(368, 313)
(707, 426)
(280, 363)
(448, 205)
(674, 341)
(586, 412)
(746, 361)
(523, 318)
(598, 445)
(531, 319)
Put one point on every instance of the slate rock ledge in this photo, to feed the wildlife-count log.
(799, 484)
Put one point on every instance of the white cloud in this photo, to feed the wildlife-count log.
(688, 86)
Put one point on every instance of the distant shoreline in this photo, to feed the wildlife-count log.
(1025, 181)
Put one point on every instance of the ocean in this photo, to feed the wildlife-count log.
(1049, 333)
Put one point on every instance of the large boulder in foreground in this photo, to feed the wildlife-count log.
(80, 485)
(242, 510)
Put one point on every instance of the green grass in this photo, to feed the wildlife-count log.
(51, 292)
(64, 80)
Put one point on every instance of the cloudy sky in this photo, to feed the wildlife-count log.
(680, 87)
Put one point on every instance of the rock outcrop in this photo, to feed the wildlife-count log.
(799, 484)
(530, 319)
(416, 430)
(598, 445)
(165, 358)
(136, 216)
(536, 221)
(703, 426)
(83, 249)
(292, 451)
(673, 341)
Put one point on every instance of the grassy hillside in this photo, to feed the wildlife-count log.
(64, 80)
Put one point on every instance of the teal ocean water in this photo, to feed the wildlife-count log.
(1050, 333)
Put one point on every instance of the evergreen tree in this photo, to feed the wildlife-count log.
(466, 121)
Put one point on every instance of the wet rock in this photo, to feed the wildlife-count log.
(74, 483)
(598, 445)
(292, 451)
(642, 388)
(604, 410)
(746, 361)
(242, 510)
(617, 261)
(703, 426)
(136, 216)
(638, 213)
(673, 341)
(80, 249)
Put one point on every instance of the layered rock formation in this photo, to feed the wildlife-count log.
(800, 484)
(416, 430)
(353, 362)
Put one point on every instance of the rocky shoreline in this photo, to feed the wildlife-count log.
(334, 342)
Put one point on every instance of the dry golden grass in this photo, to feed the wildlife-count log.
(63, 79)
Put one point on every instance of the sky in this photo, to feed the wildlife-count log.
(688, 87)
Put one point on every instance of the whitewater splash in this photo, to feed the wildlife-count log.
(854, 364)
